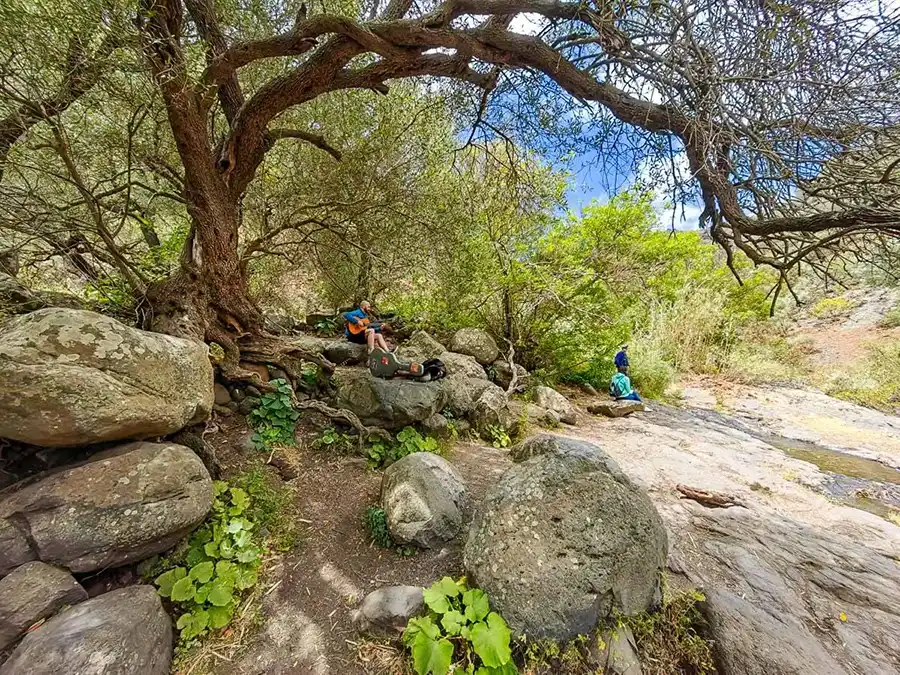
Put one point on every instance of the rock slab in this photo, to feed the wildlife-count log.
(391, 404)
(389, 609)
(423, 497)
(33, 592)
(616, 408)
(564, 540)
(124, 505)
(72, 377)
(124, 632)
(475, 342)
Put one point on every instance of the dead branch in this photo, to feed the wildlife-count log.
(706, 498)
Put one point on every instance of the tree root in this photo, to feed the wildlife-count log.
(712, 499)
(347, 417)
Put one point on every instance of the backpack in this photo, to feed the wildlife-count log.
(434, 369)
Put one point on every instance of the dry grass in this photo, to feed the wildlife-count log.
(381, 657)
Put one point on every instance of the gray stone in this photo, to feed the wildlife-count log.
(615, 408)
(552, 400)
(501, 374)
(33, 592)
(387, 610)
(15, 298)
(421, 347)
(72, 377)
(278, 374)
(253, 391)
(237, 394)
(475, 342)
(423, 497)
(124, 632)
(391, 404)
(246, 406)
(565, 540)
(462, 392)
(619, 655)
(436, 425)
(533, 414)
(279, 323)
(221, 395)
(492, 410)
(342, 352)
(462, 365)
(125, 505)
(543, 444)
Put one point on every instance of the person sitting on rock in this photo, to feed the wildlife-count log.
(362, 329)
(620, 386)
(622, 359)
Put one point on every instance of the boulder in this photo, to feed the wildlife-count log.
(475, 342)
(542, 444)
(221, 395)
(391, 404)
(565, 540)
(615, 408)
(72, 377)
(279, 323)
(492, 410)
(436, 425)
(462, 365)
(124, 632)
(423, 497)
(387, 610)
(462, 392)
(125, 505)
(421, 347)
(16, 298)
(533, 414)
(619, 654)
(552, 400)
(33, 592)
(343, 352)
(501, 374)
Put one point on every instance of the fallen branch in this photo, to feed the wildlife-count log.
(716, 500)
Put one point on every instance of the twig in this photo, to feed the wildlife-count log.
(711, 499)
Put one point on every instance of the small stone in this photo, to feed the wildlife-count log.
(237, 394)
(615, 408)
(387, 610)
(253, 391)
(222, 395)
(246, 406)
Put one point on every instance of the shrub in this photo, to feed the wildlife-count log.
(375, 522)
(274, 420)
(498, 436)
(460, 629)
(221, 560)
(271, 507)
(827, 308)
(891, 319)
(408, 441)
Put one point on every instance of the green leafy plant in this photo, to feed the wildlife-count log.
(332, 439)
(498, 436)
(274, 419)
(459, 629)
(327, 326)
(271, 507)
(375, 522)
(827, 308)
(408, 441)
(221, 560)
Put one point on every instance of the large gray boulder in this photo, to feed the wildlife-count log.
(72, 377)
(389, 609)
(462, 365)
(391, 404)
(475, 342)
(421, 347)
(124, 505)
(33, 592)
(492, 409)
(551, 399)
(124, 632)
(462, 392)
(533, 414)
(423, 497)
(565, 540)
(615, 408)
(344, 352)
(501, 374)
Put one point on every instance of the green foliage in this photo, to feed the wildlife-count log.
(875, 382)
(408, 441)
(327, 326)
(891, 319)
(828, 308)
(271, 507)
(274, 420)
(112, 294)
(497, 436)
(375, 522)
(332, 439)
(459, 630)
(669, 641)
(221, 561)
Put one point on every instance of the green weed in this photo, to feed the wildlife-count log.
(274, 420)
(408, 441)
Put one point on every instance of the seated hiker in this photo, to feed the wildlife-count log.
(620, 387)
(362, 328)
(622, 359)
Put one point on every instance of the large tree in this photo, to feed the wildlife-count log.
(773, 104)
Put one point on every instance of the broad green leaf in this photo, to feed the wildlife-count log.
(248, 555)
(202, 593)
(220, 594)
(239, 498)
(183, 590)
(235, 526)
(166, 580)
(195, 556)
(220, 487)
(242, 539)
(246, 579)
(449, 587)
(220, 616)
(423, 624)
(452, 622)
(432, 656)
(211, 549)
(202, 572)
(477, 605)
(193, 623)
(506, 669)
(226, 550)
(491, 641)
(436, 600)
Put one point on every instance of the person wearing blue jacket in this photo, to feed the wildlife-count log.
(361, 317)
(622, 359)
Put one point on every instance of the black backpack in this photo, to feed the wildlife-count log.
(434, 369)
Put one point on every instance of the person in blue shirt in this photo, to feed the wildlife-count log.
(622, 359)
(368, 331)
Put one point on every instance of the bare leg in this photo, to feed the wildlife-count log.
(370, 339)
(381, 341)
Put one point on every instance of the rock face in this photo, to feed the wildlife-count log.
(72, 377)
(124, 505)
(475, 342)
(33, 592)
(125, 632)
(563, 540)
(501, 374)
(462, 392)
(462, 365)
(388, 609)
(423, 497)
(342, 352)
(391, 404)
(615, 408)
(551, 399)
(543, 444)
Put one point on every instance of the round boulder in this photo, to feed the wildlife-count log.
(551, 399)
(72, 377)
(423, 497)
(421, 347)
(388, 609)
(391, 404)
(564, 540)
(475, 342)
(124, 632)
(125, 505)
(462, 365)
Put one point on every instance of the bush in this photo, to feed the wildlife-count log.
(271, 507)
(828, 308)
(408, 441)
(221, 560)
(875, 383)
(375, 522)
(332, 439)
(274, 419)
(460, 629)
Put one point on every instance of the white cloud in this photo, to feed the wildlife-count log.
(528, 23)
(662, 180)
